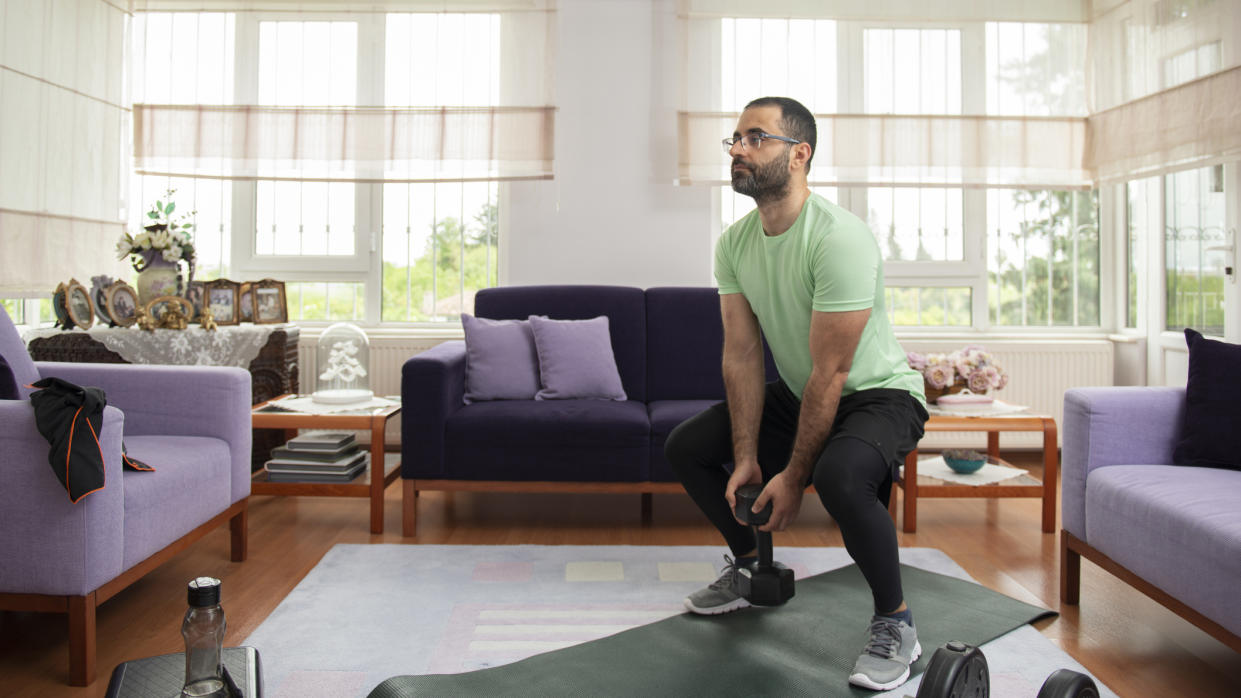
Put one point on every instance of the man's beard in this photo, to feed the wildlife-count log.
(769, 182)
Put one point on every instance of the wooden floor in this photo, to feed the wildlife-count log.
(1129, 641)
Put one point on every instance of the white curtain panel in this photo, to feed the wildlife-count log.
(63, 131)
(903, 150)
(356, 144)
(1166, 79)
(428, 132)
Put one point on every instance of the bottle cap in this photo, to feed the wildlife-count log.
(204, 591)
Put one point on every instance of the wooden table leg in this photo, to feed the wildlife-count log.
(911, 492)
(378, 468)
(993, 444)
(1051, 470)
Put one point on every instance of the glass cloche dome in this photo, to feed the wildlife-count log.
(344, 355)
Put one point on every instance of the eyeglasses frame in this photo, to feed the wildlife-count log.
(761, 135)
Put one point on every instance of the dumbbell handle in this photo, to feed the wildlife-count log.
(746, 496)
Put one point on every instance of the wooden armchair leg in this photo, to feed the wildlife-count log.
(1070, 572)
(82, 640)
(237, 535)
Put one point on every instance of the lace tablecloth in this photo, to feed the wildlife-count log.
(225, 346)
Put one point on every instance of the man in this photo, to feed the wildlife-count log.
(846, 408)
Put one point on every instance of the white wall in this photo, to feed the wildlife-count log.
(612, 215)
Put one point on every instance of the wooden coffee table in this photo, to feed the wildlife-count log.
(915, 486)
(371, 483)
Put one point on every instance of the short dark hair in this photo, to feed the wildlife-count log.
(795, 119)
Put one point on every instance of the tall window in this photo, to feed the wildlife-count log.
(1043, 258)
(410, 242)
(955, 256)
(1195, 250)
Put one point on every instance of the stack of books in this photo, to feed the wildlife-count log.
(325, 456)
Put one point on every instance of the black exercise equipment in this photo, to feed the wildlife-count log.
(767, 583)
(958, 670)
(1066, 683)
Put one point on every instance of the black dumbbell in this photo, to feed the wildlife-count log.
(767, 583)
(958, 670)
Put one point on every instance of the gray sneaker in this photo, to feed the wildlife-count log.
(720, 596)
(885, 660)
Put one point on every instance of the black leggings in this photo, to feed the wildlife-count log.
(853, 475)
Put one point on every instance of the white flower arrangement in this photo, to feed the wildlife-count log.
(972, 367)
(170, 237)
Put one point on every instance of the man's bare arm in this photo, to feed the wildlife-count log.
(834, 339)
(744, 380)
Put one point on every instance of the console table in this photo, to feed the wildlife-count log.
(916, 487)
(273, 370)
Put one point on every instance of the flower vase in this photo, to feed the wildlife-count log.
(933, 394)
(158, 277)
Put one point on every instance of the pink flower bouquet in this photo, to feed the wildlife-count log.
(972, 367)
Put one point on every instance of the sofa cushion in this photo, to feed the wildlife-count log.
(624, 306)
(191, 483)
(1209, 433)
(575, 359)
(1177, 527)
(685, 344)
(559, 440)
(500, 360)
(665, 416)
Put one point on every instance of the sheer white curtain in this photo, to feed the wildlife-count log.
(1166, 80)
(433, 136)
(984, 135)
(63, 127)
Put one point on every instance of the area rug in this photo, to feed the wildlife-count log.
(369, 612)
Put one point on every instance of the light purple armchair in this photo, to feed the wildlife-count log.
(1171, 531)
(192, 424)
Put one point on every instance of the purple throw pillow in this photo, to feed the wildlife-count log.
(500, 360)
(576, 359)
(1209, 434)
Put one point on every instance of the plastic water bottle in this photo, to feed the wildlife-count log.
(203, 629)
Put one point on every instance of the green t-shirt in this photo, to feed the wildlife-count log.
(827, 261)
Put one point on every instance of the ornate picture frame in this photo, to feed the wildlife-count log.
(194, 294)
(221, 298)
(270, 304)
(59, 308)
(170, 312)
(245, 302)
(78, 305)
(121, 301)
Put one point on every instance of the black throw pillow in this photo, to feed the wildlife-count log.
(1211, 433)
(8, 384)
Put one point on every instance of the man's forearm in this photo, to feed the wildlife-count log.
(743, 386)
(820, 398)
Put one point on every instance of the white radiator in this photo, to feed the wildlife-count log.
(1039, 371)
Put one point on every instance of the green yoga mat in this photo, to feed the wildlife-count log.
(806, 647)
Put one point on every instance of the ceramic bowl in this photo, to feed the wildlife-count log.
(964, 461)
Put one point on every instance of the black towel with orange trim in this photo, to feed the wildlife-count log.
(70, 417)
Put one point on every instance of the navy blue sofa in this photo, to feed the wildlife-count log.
(667, 342)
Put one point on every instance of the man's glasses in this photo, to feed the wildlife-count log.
(754, 141)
